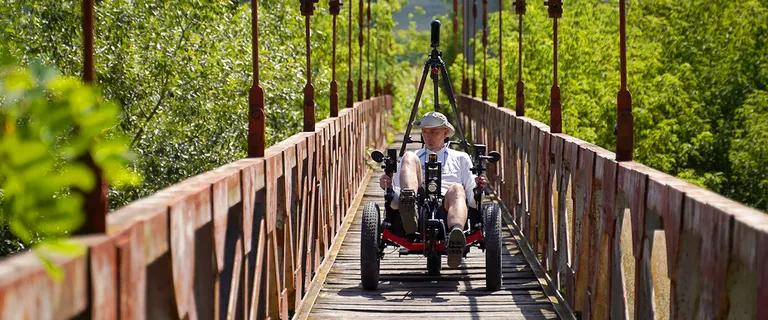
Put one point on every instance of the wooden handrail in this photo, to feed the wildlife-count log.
(620, 237)
(242, 239)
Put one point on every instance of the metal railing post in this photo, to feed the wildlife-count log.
(484, 91)
(368, 53)
(256, 112)
(520, 87)
(334, 8)
(500, 88)
(464, 79)
(350, 85)
(96, 202)
(360, 45)
(474, 27)
(307, 9)
(624, 121)
(555, 113)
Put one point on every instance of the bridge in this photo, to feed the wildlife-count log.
(589, 233)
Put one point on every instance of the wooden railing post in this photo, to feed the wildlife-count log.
(484, 91)
(256, 112)
(307, 9)
(555, 114)
(520, 87)
(624, 121)
(500, 91)
(334, 8)
(96, 202)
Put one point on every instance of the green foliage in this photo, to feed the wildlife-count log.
(49, 124)
(181, 71)
(696, 72)
(749, 150)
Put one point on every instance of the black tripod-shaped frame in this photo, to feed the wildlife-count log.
(435, 67)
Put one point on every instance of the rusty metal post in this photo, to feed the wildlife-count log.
(96, 203)
(484, 91)
(360, 45)
(368, 54)
(89, 68)
(456, 22)
(256, 112)
(500, 91)
(555, 113)
(520, 87)
(388, 84)
(376, 88)
(464, 80)
(334, 8)
(474, 29)
(350, 85)
(307, 9)
(624, 121)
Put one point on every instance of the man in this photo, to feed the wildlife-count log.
(457, 182)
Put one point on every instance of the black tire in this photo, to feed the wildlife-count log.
(369, 247)
(492, 230)
(434, 264)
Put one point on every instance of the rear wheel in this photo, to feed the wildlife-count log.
(434, 263)
(369, 247)
(492, 230)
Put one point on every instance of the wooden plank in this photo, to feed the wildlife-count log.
(102, 259)
(605, 171)
(226, 193)
(27, 290)
(405, 276)
(583, 203)
(536, 313)
(252, 181)
(302, 310)
(195, 202)
(132, 276)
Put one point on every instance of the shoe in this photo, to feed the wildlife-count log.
(408, 210)
(455, 248)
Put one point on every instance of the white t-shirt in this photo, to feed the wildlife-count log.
(456, 169)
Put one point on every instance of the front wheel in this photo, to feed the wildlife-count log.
(369, 247)
(492, 230)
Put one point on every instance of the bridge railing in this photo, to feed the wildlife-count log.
(243, 240)
(619, 239)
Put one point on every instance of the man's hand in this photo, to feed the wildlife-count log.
(481, 181)
(385, 182)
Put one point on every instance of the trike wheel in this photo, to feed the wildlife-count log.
(369, 247)
(434, 263)
(492, 230)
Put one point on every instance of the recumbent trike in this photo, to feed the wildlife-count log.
(483, 229)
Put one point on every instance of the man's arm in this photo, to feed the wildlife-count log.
(468, 180)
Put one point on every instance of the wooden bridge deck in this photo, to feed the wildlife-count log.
(406, 291)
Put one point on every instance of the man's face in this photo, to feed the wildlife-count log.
(434, 138)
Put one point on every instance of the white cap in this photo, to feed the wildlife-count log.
(434, 119)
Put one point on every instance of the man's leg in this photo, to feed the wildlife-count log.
(455, 203)
(410, 180)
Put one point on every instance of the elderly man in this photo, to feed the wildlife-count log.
(457, 182)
